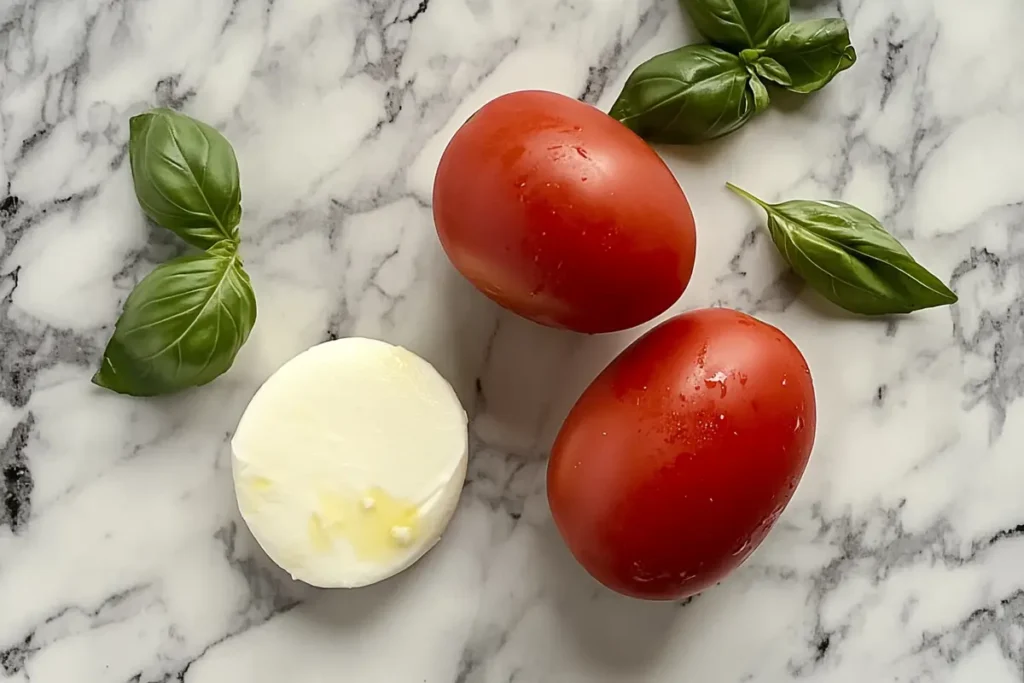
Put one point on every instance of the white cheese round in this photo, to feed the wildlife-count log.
(349, 461)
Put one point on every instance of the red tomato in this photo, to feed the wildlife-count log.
(563, 215)
(676, 462)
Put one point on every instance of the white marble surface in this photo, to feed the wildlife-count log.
(122, 558)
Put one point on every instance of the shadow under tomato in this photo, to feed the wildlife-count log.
(517, 379)
(456, 338)
(617, 633)
(697, 155)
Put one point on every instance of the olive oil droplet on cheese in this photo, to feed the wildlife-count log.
(376, 524)
(260, 484)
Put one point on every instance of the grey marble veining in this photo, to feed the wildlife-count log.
(122, 556)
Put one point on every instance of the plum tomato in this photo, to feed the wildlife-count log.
(676, 461)
(560, 213)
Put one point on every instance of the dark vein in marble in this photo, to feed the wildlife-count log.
(114, 608)
(614, 56)
(16, 482)
(856, 555)
(1000, 620)
(268, 596)
(998, 334)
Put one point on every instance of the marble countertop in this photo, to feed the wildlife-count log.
(122, 557)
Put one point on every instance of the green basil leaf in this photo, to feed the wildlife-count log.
(761, 99)
(812, 52)
(846, 255)
(770, 70)
(186, 177)
(182, 326)
(689, 95)
(750, 55)
(737, 24)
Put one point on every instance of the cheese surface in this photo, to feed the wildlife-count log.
(349, 461)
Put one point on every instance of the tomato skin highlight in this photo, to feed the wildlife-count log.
(563, 215)
(677, 460)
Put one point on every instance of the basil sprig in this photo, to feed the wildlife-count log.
(846, 255)
(737, 24)
(184, 323)
(701, 92)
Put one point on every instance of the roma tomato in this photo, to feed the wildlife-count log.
(675, 463)
(563, 215)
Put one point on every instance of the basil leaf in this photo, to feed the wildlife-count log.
(770, 70)
(695, 93)
(186, 177)
(761, 99)
(847, 256)
(812, 52)
(182, 326)
(737, 24)
(750, 55)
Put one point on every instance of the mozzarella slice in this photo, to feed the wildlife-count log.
(349, 461)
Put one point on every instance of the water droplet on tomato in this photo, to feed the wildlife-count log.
(718, 379)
